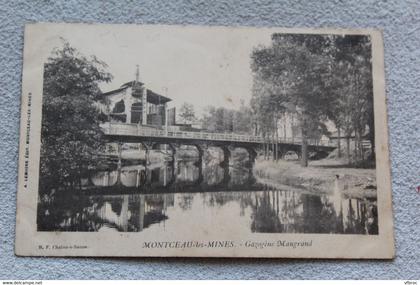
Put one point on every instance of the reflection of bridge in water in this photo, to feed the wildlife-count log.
(177, 176)
(149, 137)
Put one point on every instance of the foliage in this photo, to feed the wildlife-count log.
(226, 120)
(70, 134)
(353, 95)
(318, 78)
(187, 113)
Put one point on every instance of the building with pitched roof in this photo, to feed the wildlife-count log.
(134, 103)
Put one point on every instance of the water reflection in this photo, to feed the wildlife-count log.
(182, 175)
(162, 197)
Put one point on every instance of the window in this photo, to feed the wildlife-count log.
(119, 107)
(136, 113)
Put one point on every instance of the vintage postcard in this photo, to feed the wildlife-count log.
(203, 141)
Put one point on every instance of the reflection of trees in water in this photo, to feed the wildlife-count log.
(313, 215)
(331, 217)
(222, 198)
(185, 201)
(241, 175)
(268, 211)
(265, 217)
(213, 173)
(372, 220)
(351, 216)
(212, 155)
(122, 212)
(65, 211)
(240, 158)
(277, 211)
(286, 211)
(291, 212)
(361, 216)
(187, 171)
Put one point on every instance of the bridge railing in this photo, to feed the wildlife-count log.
(138, 130)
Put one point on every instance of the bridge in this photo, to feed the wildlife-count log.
(150, 136)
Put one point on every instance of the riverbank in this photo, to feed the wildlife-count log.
(324, 177)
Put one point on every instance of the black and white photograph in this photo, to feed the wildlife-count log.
(188, 133)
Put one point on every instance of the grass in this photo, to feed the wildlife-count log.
(321, 176)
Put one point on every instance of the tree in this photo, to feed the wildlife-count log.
(291, 72)
(208, 119)
(323, 77)
(227, 120)
(70, 135)
(352, 110)
(242, 119)
(186, 112)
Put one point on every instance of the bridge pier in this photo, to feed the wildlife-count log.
(173, 149)
(252, 154)
(200, 151)
(105, 180)
(199, 163)
(173, 163)
(299, 153)
(119, 164)
(225, 164)
(141, 177)
(147, 147)
(147, 176)
(173, 172)
(226, 175)
(200, 174)
(138, 178)
(226, 156)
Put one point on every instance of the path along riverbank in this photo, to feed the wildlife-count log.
(323, 177)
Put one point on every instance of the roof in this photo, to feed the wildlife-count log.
(152, 96)
(132, 83)
(155, 98)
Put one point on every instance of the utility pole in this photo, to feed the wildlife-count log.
(166, 112)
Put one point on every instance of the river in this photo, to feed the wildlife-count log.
(185, 195)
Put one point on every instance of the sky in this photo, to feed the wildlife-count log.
(199, 65)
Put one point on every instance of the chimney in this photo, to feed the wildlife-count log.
(137, 73)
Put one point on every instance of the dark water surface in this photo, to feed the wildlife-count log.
(186, 195)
